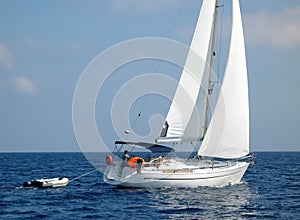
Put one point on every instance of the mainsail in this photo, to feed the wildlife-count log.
(185, 99)
(228, 132)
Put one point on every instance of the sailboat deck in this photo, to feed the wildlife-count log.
(176, 166)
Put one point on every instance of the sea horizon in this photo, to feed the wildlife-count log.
(262, 151)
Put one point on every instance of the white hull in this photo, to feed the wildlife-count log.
(185, 176)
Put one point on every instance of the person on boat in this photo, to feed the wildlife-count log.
(158, 162)
(139, 165)
(125, 156)
(124, 163)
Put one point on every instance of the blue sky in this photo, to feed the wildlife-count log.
(46, 45)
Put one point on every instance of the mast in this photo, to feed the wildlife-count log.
(211, 62)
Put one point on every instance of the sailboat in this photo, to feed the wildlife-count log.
(223, 155)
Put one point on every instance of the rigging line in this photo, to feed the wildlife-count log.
(220, 43)
(159, 64)
(84, 175)
(211, 63)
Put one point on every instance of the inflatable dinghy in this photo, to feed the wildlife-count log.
(47, 183)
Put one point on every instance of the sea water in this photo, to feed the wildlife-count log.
(270, 189)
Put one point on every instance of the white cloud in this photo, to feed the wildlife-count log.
(280, 29)
(6, 58)
(144, 5)
(24, 85)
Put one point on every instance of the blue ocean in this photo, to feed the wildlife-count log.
(270, 190)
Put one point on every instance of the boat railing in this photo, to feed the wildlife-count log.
(192, 165)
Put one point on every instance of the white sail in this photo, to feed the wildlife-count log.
(185, 98)
(228, 132)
